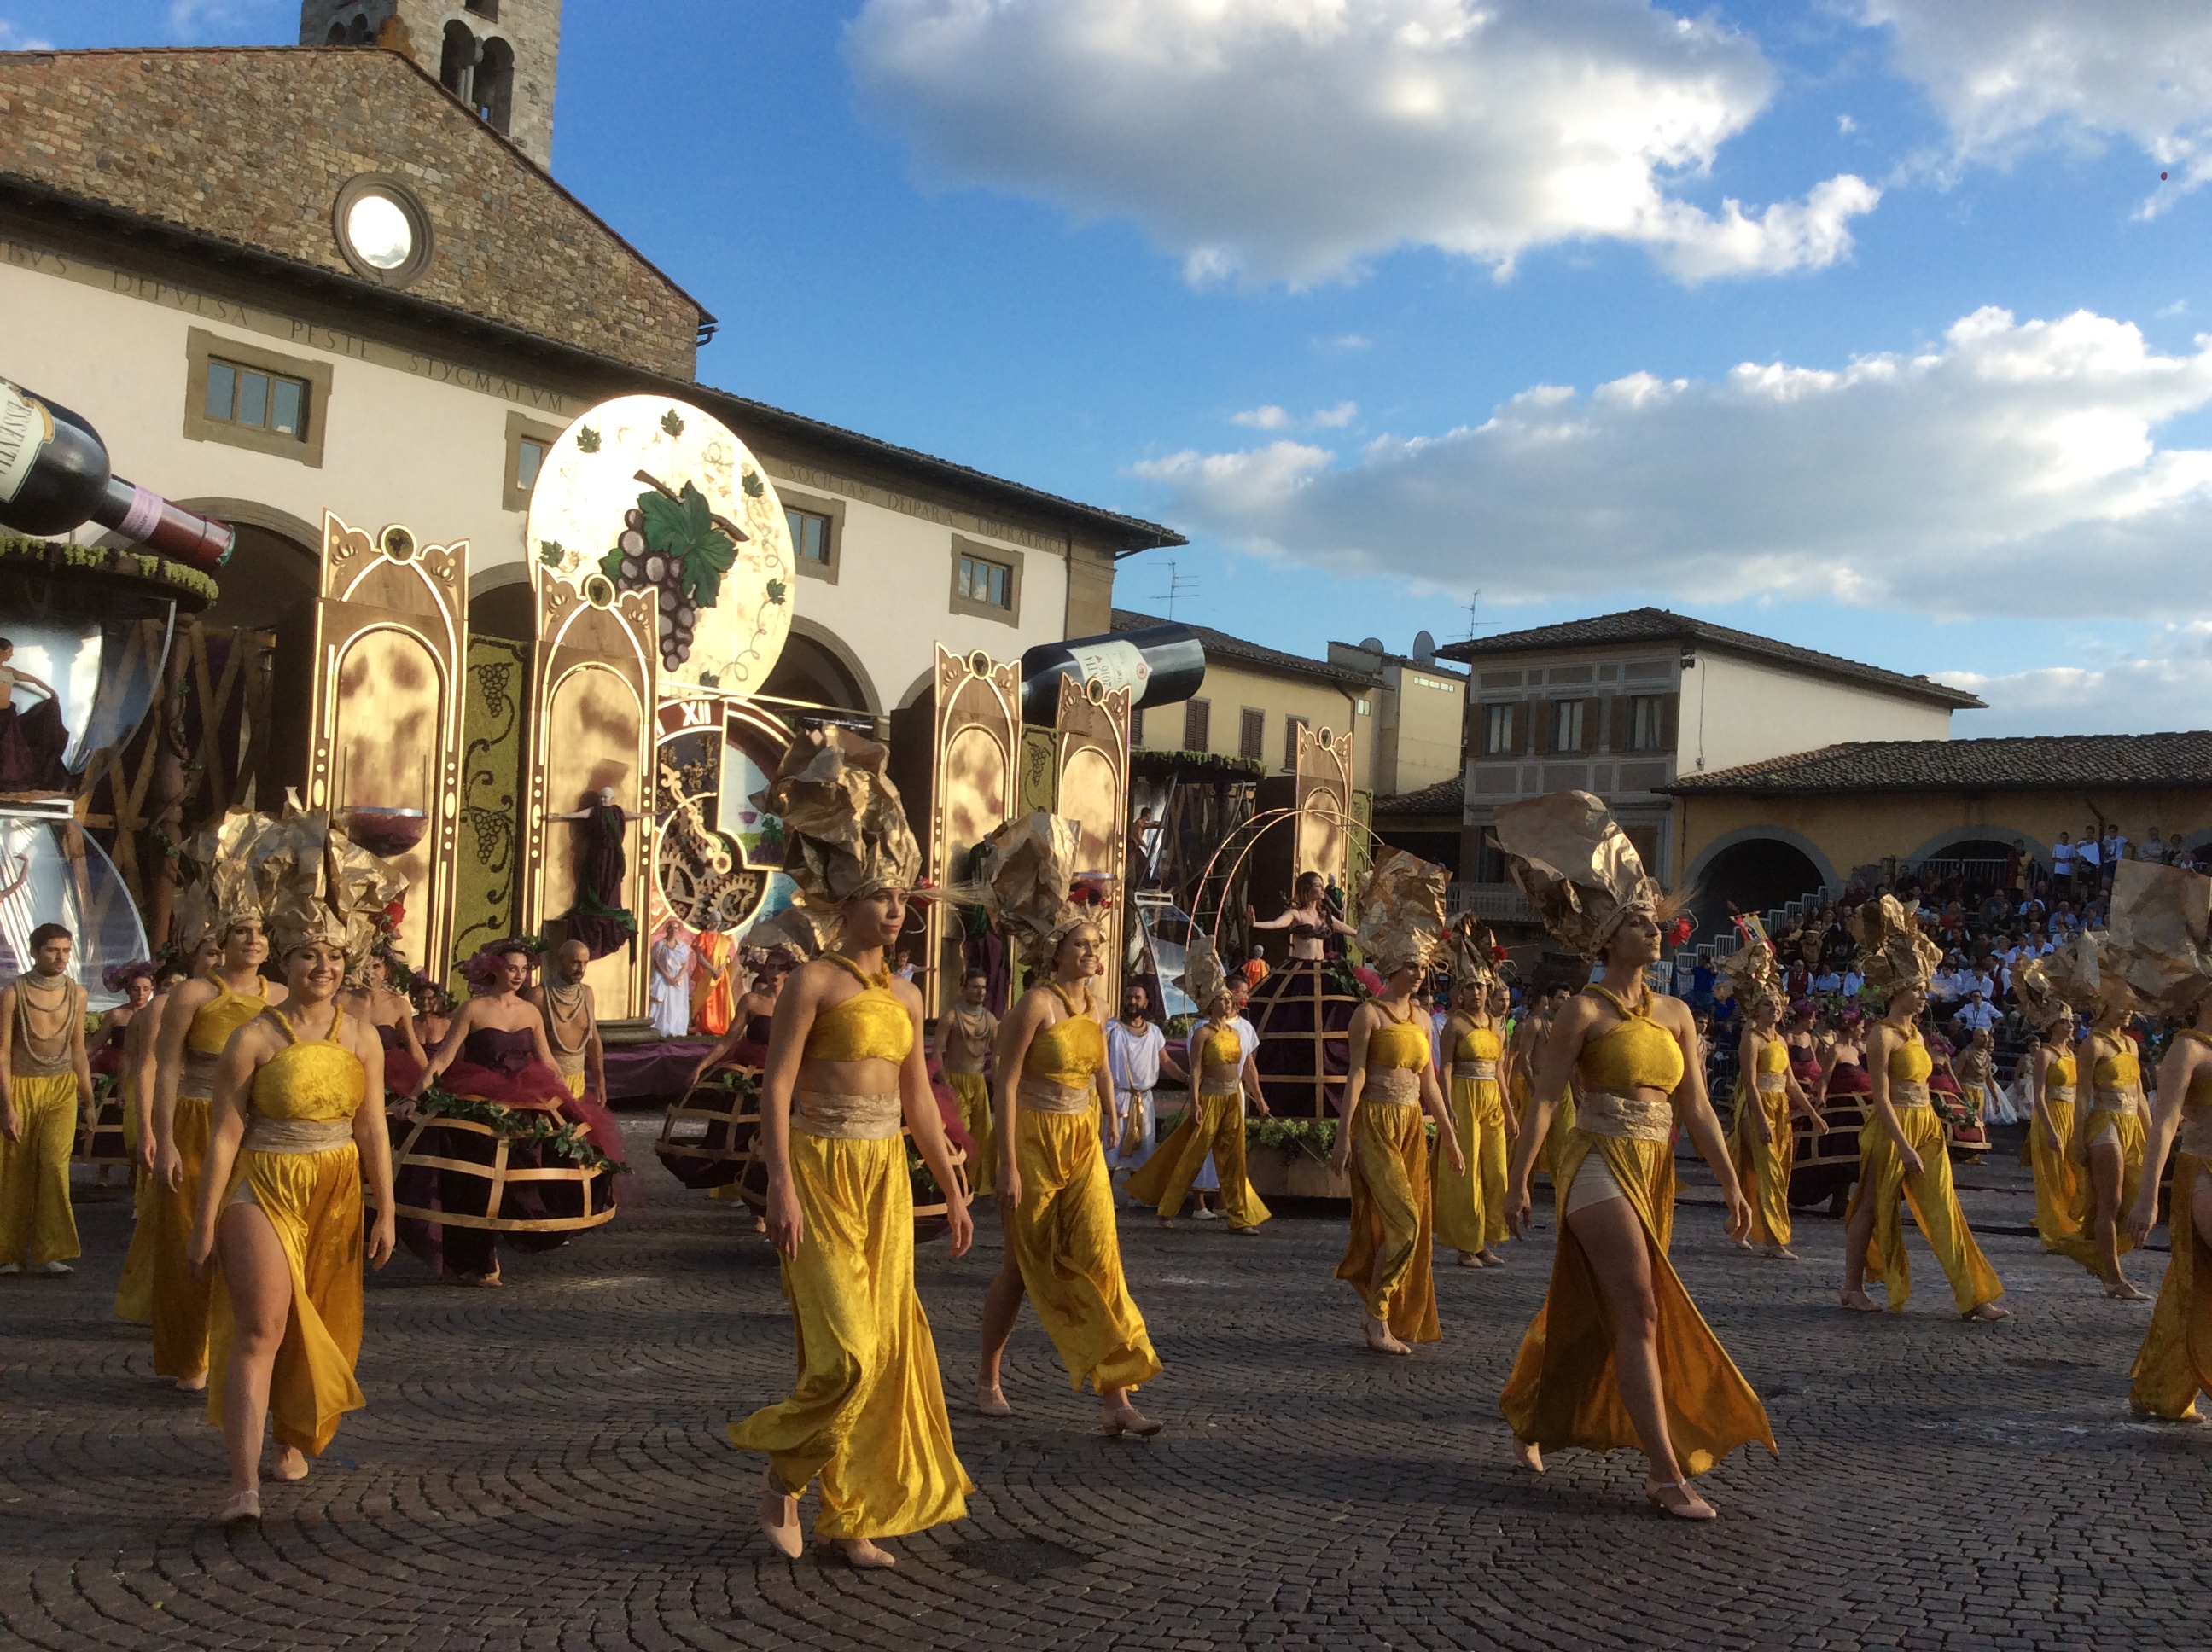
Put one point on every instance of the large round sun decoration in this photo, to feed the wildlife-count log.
(646, 493)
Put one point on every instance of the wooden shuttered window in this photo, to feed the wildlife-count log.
(1196, 716)
(1252, 734)
(1539, 728)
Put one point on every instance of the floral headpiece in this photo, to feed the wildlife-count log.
(1579, 871)
(1402, 912)
(300, 876)
(1027, 884)
(845, 830)
(1472, 953)
(1894, 955)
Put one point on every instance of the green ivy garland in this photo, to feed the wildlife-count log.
(571, 1142)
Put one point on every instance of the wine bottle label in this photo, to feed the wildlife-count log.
(25, 428)
(1116, 665)
(143, 516)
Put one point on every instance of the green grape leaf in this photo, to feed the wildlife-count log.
(672, 422)
(610, 565)
(550, 552)
(775, 591)
(754, 486)
(587, 440)
(683, 529)
(668, 522)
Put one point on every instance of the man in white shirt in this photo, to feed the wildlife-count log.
(1136, 1050)
(1977, 1013)
(1854, 983)
(2062, 862)
(1829, 981)
(2088, 859)
(2154, 848)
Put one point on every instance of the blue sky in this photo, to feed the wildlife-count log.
(1383, 309)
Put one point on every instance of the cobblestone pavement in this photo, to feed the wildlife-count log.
(544, 1467)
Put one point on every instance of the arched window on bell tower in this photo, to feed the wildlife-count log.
(494, 96)
(458, 61)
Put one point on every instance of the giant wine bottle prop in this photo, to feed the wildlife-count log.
(1159, 665)
(54, 476)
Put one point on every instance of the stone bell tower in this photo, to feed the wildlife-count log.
(498, 56)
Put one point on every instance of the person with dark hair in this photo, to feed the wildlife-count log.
(31, 741)
(965, 1035)
(134, 1292)
(45, 1083)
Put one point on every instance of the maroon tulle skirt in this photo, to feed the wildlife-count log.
(1849, 1079)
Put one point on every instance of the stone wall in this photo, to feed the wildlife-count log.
(253, 144)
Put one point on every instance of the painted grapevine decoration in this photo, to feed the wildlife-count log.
(644, 493)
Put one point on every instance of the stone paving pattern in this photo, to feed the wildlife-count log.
(544, 1467)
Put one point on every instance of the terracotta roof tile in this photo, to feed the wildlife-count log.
(2105, 762)
(1444, 798)
(1221, 644)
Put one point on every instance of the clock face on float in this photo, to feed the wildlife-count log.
(647, 494)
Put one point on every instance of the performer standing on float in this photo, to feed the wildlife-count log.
(1619, 1356)
(2160, 919)
(1303, 1017)
(45, 1086)
(1049, 1074)
(1213, 1122)
(2051, 1123)
(1902, 1156)
(197, 1023)
(965, 1035)
(1381, 1138)
(1761, 1142)
(1470, 1209)
(2108, 1148)
(372, 1002)
(845, 1067)
(669, 988)
(298, 1121)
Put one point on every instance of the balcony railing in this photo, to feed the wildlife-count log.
(1494, 903)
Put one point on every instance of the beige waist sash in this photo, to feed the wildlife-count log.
(567, 1063)
(266, 1135)
(1220, 1080)
(1043, 1096)
(1475, 1070)
(1393, 1086)
(1768, 1083)
(196, 1076)
(2117, 1101)
(1909, 1092)
(846, 1118)
(976, 1071)
(2197, 1132)
(2052, 1093)
(1627, 1118)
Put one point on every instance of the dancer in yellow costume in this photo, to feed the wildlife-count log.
(2051, 1130)
(2108, 1146)
(197, 1023)
(298, 1120)
(1901, 1152)
(845, 1075)
(2159, 923)
(1470, 1207)
(965, 1035)
(134, 1292)
(1619, 1356)
(1761, 1138)
(1381, 1138)
(1054, 1093)
(1213, 1124)
(46, 1087)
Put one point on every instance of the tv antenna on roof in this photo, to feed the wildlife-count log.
(1179, 584)
(1473, 602)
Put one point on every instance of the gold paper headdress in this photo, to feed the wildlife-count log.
(1203, 978)
(1402, 912)
(1026, 876)
(2161, 935)
(2041, 1003)
(1893, 955)
(845, 830)
(2087, 972)
(304, 879)
(1470, 952)
(1749, 975)
(1578, 868)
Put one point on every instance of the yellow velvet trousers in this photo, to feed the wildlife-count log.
(313, 1202)
(1934, 1207)
(2174, 1364)
(867, 1413)
(37, 1224)
(2081, 1244)
(1470, 1208)
(1070, 1252)
(1387, 1260)
(1556, 1139)
(973, 1092)
(1763, 1167)
(180, 1301)
(134, 1294)
(1563, 1392)
(1215, 1125)
(2058, 1178)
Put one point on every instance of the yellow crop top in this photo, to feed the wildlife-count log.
(1071, 1051)
(1397, 1044)
(2119, 1072)
(223, 1014)
(1910, 1064)
(1478, 1044)
(872, 1025)
(1774, 1056)
(1223, 1049)
(1636, 1053)
(320, 1080)
(2060, 1072)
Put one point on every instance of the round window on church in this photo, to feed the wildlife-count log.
(382, 230)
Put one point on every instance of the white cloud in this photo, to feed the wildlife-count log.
(2166, 685)
(1846, 125)
(1263, 418)
(1272, 418)
(1335, 418)
(2006, 75)
(12, 39)
(1350, 341)
(1296, 140)
(2012, 470)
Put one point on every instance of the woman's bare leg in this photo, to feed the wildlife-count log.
(259, 1283)
(1002, 1306)
(1614, 1239)
(1858, 1233)
(2107, 1168)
